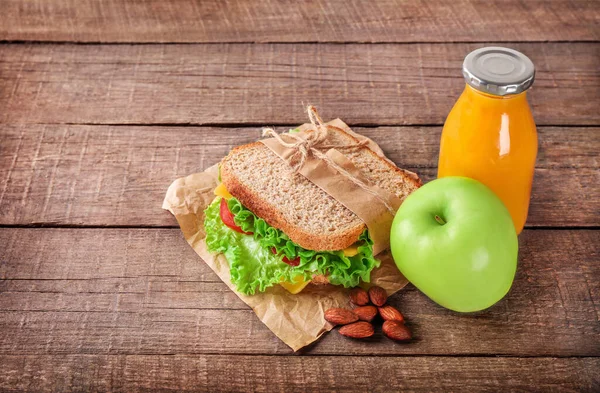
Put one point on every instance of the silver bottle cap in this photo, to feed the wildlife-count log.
(498, 71)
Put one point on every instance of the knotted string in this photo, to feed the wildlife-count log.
(308, 145)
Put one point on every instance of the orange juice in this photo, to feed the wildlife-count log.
(490, 134)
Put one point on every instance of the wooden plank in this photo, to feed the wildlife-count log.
(107, 175)
(226, 373)
(144, 291)
(283, 21)
(384, 84)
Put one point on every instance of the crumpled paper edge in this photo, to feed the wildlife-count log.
(298, 320)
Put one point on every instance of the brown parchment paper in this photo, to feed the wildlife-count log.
(371, 210)
(296, 319)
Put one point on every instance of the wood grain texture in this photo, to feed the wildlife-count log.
(226, 373)
(383, 84)
(132, 309)
(316, 21)
(144, 291)
(116, 175)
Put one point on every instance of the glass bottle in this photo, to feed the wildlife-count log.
(490, 134)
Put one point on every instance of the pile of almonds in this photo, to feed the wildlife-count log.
(357, 322)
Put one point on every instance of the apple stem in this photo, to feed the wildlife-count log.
(440, 220)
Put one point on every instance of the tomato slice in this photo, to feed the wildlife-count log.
(227, 217)
(293, 262)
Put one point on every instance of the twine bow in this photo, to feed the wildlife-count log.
(308, 145)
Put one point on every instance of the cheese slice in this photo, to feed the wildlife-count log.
(221, 191)
(351, 251)
(295, 287)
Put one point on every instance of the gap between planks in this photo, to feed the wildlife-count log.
(130, 43)
(301, 354)
(287, 124)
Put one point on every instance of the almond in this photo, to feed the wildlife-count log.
(378, 296)
(366, 313)
(390, 313)
(395, 330)
(340, 316)
(357, 330)
(359, 296)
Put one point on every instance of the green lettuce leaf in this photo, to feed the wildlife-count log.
(254, 266)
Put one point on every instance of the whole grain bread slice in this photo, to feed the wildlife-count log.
(266, 185)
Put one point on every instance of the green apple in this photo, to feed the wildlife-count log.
(455, 240)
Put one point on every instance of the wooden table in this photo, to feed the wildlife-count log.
(103, 104)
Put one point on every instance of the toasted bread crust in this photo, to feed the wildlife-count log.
(274, 218)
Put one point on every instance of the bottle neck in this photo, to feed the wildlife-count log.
(473, 93)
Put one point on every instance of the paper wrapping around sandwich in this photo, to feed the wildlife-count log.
(370, 209)
(370, 143)
(296, 319)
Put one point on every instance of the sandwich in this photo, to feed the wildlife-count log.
(275, 227)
